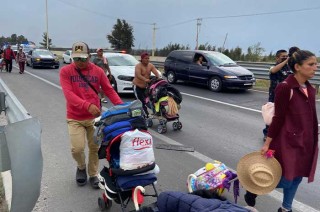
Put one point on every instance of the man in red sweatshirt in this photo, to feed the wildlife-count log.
(81, 82)
(8, 57)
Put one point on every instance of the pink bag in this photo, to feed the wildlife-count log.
(267, 111)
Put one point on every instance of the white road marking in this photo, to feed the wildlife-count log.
(274, 194)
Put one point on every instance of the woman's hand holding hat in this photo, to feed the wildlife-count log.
(265, 146)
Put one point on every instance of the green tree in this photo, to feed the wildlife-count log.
(121, 38)
(44, 41)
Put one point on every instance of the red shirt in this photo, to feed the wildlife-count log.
(294, 130)
(8, 54)
(79, 95)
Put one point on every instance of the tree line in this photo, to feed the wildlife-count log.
(122, 38)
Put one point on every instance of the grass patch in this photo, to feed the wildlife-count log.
(3, 202)
(262, 85)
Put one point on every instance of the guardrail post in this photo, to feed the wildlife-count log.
(2, 101)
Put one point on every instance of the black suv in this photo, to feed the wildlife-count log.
(216, 70)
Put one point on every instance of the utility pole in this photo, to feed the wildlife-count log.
(198, 31)
(154, 39)
(224, 42)
(47, 24)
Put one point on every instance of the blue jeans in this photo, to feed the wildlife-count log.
(289, 190)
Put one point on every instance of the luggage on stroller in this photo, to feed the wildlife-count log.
(164, 101)
(128, 149)
(116, 120)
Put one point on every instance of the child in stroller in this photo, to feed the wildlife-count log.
(121, 131)
(164, 102)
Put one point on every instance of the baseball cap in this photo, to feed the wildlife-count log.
(80, 49)
(143, 55)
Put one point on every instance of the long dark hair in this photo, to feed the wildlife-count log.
(299, 57)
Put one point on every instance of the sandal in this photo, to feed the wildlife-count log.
(94, 181)
(81, 177)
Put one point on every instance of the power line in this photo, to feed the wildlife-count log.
(244, 15)
(179, 23)
(101, 14)
(265, 13)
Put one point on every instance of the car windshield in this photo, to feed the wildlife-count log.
(219, 59)
(43, 52)
(122, 60)
(14, 48)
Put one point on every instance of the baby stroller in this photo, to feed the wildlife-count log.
(164, 101)
(120, 130)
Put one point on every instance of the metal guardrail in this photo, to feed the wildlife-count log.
(259, 69)
(21, 161)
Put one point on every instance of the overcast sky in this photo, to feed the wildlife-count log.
(277, 24)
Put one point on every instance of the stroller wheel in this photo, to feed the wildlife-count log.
(179, 125)
(104, 204)
(161, 129)
(175, 126)
(149, 122)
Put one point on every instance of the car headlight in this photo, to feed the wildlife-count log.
(56, 59)
(125, 78)
(230, 77)
(38, 59)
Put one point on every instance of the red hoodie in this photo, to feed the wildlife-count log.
(79, 95)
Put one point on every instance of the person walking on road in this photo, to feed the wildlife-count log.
(21, 59)
(80, 82)
(102, 62)
(278, 73)
(8, 57)
(142, 76)
(293, 133)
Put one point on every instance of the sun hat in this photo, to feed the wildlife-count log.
(259, 174)
(80, 49)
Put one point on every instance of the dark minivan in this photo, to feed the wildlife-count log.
(216, 70)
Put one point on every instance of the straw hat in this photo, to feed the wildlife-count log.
(258, 174)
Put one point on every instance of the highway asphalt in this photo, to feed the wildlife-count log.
(223, 126)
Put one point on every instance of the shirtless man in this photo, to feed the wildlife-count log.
(142, 77)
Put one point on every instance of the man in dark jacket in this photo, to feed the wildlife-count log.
(278, 73)
(8, 57)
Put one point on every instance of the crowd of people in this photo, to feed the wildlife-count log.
(7, 56)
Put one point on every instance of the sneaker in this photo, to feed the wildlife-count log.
(94, 182)
(250, 198)
(81, 177)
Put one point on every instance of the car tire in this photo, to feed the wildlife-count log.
(215, 84)
(56, 67)
(171, 77)
(70, 61)
(27, 63)
(63, 60)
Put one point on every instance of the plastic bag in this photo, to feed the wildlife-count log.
(136, 150)
(267, 111)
